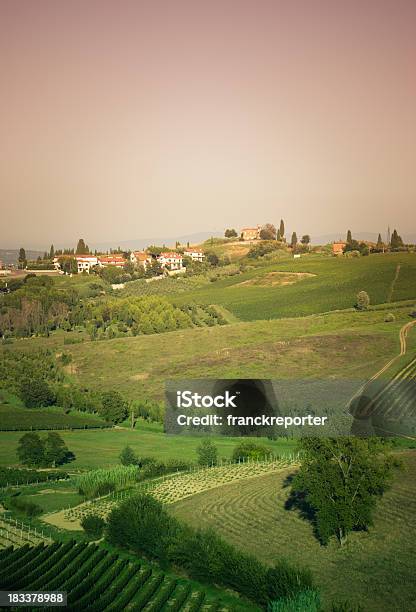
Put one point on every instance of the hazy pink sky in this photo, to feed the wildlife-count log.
(124, 119)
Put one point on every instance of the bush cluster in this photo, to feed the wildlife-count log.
(142, 524)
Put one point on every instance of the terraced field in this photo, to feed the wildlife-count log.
(97, 580)
(173, 488)
(377, 567)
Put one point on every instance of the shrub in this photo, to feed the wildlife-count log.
(26, 507)
(285, 580)
(128, 456)
(363, 300)
(305, 601)
(250, 450)
(207, 453)
(141, 523)
(93, 526)
(389, 318)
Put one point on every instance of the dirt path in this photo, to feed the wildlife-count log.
(403, 348)
(393, 283)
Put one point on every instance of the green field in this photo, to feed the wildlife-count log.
(15, 417)
(101, 448)
(335, 285)
(374, 569)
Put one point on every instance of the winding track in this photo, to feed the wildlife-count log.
(403, 333)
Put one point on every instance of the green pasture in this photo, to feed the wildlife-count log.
(374, 569)
(335, 285)
(101, 448)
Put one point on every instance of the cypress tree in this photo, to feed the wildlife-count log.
(349, 237)
(282, 229)
(294, 240)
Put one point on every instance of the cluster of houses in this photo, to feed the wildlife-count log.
(171, 261)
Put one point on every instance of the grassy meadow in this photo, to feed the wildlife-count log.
(374, 569)
(333, 285)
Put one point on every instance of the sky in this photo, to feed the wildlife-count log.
(126, 119)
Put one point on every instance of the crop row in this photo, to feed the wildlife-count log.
(181, 485)
(97, 580)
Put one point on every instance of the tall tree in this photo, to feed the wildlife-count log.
(30, 450)
(306, 239)
(396, 240)
(52, 252)
(294, 240)
(340, 479)
(282, 229)
(349, 237)
(22, 258)
(82, 248)
(380, 244)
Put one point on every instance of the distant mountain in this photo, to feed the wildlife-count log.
(370, 236)
(141, 243)
(10, 256)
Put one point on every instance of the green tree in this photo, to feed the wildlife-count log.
(212, 258)
(52, 252)
(113, 407)
(250, 450)
(396, 240)
(128, 456)
(305, 239)
(363, 300)
(68, 265)
(22, 260)
(282, 229)
(349, 237)
(207, 453)
(340, 480)
(55, 450)
(93, 525)
(380, 243)
(82, 248)
(230, 233)
(268, 232)
(35, 392)
(294, 240)
(30, 450)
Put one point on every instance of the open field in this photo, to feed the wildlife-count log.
(335, 284)
(375, 568)
(101, 448)
(346, 344)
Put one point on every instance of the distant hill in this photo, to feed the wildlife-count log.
(10, 256)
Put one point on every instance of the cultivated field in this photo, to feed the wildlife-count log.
(375, 569)
(333, 284)
(96, 579)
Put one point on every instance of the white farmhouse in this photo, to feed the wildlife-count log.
(195, 254)
(170, 261)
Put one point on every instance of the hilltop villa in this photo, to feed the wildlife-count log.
(250, 233)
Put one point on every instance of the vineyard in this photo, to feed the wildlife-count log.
(97, 580)
(173, 488)
(15, 533)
